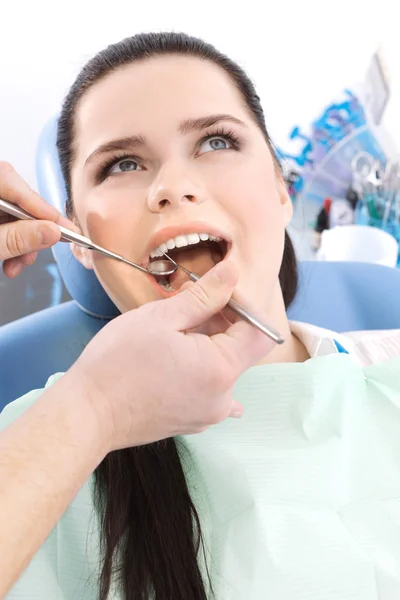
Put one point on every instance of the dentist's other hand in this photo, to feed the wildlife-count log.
(20, 240)
(148, 376)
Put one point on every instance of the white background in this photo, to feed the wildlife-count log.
(300, 54)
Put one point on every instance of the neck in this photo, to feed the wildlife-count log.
(292, 350)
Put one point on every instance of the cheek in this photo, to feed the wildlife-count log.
(115, 220)
(253, 199)
(111, 216)
(126, 287)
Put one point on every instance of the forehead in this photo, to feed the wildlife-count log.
(152, 95)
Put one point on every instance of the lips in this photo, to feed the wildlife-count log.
(197, 247)
(181, 236)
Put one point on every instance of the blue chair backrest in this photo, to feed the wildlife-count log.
(337, 296)
(82, 285)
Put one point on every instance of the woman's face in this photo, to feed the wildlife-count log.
(166, 150)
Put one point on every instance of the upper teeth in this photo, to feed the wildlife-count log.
(183, 240)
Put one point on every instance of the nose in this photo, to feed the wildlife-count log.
(173, 188)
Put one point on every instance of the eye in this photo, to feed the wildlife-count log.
(124, 165)
(215, 143)
(116, 165)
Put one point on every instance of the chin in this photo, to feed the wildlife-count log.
(133, 302)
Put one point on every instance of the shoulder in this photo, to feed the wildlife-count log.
(368, 347)
(375, 346)
(15, 409)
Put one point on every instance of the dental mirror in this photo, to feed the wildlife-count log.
(161, 267)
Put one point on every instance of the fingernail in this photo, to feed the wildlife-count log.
(237, 414)
(45, 235)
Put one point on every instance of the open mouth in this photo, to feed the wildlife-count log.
(197, 252)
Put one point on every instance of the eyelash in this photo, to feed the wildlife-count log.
(105, 167)
(226, 134)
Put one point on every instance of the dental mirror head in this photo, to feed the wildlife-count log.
(161, 267)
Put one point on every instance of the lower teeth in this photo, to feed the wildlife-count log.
(166, 285)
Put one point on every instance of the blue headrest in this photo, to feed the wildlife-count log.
(82, 284)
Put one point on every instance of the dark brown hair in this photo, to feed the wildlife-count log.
(150, 529)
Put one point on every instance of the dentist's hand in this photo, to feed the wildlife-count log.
(143, 378)
(21, 240)
(148, 377)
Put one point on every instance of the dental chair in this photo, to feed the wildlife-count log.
(338, 296)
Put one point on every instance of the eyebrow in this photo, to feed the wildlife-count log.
(191, 125)
(132, 142)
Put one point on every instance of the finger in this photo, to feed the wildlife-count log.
(13, 267)
(14, 189)
(199, 302)
(236, 410)
(5, 218)
(186, 286)
(242, 299)
(29, 259)
(216, 324)
(23, 237)
(68, 224)
(243, 346)
(227, 316)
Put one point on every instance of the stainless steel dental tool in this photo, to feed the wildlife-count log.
(156, 268)
(162, 267)
(238, 308)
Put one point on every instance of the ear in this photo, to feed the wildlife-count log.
(83, 255)
(286, 202)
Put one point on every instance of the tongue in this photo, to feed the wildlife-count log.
(197, 259)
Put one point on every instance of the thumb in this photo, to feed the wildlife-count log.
(199, 302)
(243, 346)
(22, 237)
(236, 410)
(186, 286)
